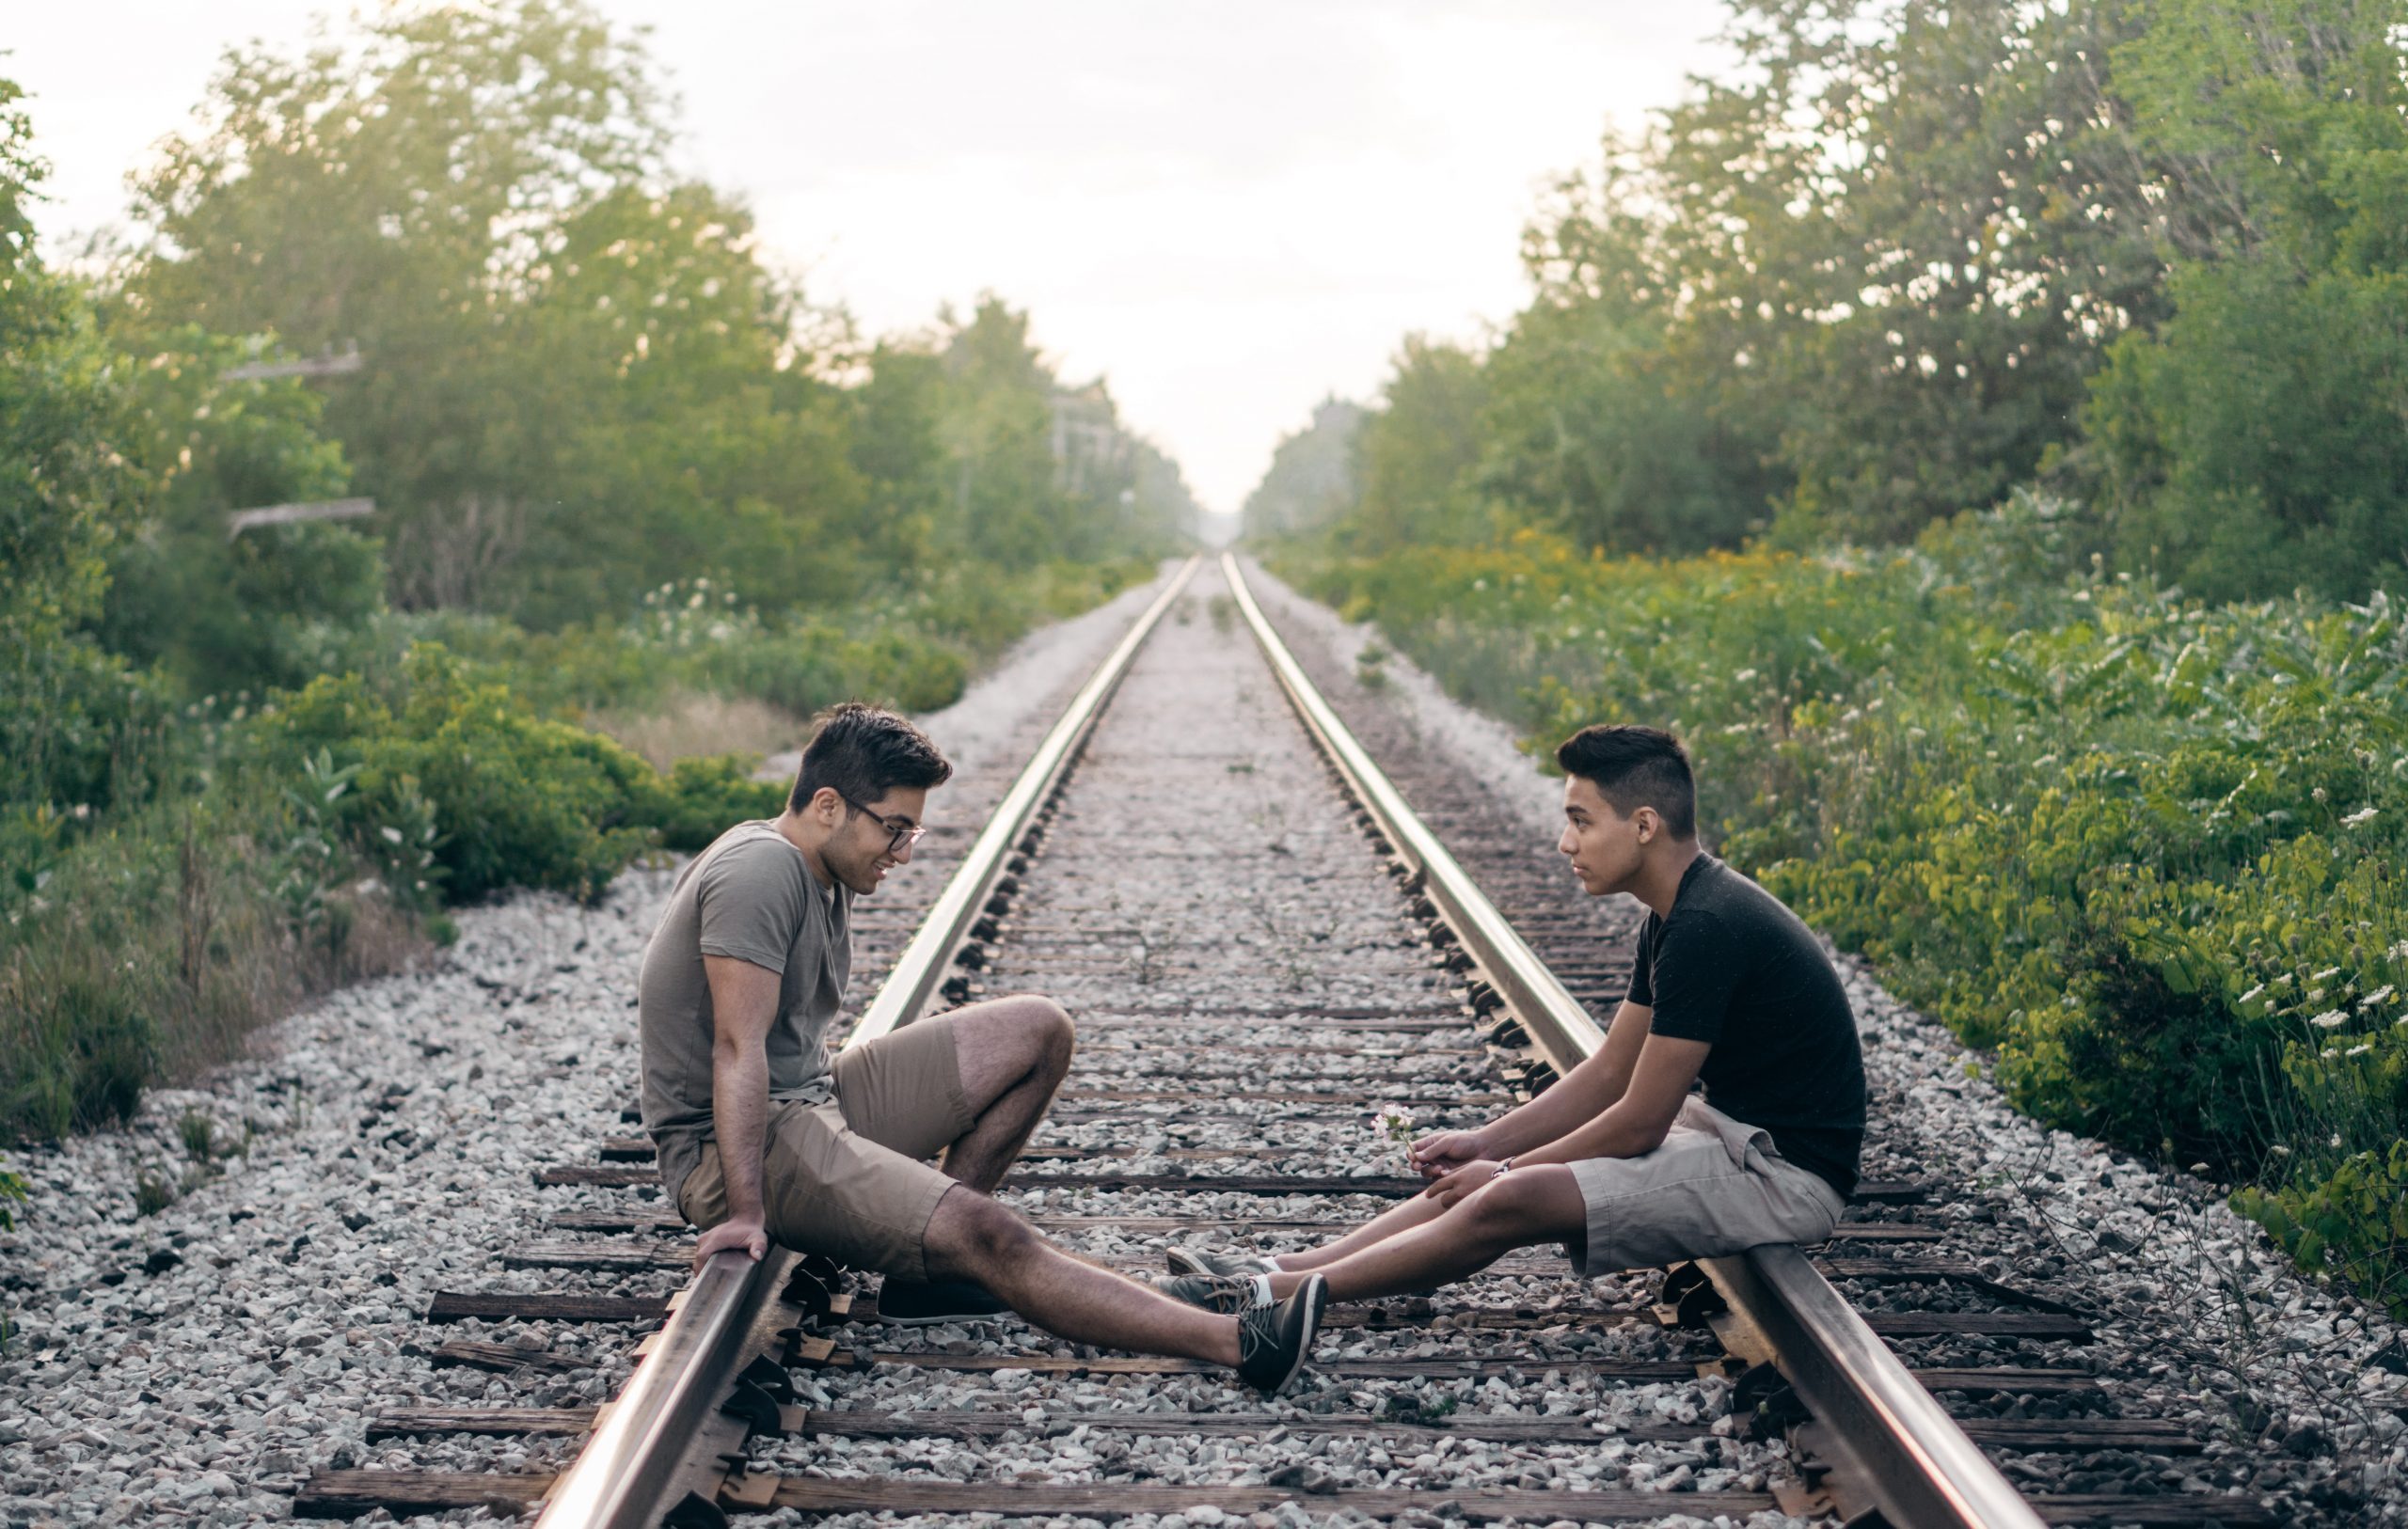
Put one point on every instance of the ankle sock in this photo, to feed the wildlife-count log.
(1262, 1289)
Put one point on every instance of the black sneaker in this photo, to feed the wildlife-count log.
(922, 1303)
(1188, 1261)
(1274, 1341)
(1220, 1293)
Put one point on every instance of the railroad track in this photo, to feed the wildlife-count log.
(1262, 940)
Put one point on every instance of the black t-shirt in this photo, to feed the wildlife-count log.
(1733, 966)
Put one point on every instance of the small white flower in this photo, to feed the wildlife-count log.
(2398, 951)
(2360, 818)
(2379, 995)
(2358, 1050)
(2331, 1053)
(392, 835)
(2329, 1019)
(2283, 979)
(2337, 1138)
(2254, 994)
(1743, 675)
(2326, 975)
(2279, 1150)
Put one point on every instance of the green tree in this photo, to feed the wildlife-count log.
(1597, 426)
(1311, 481)
(71, 717)
(219, 611)
(1417, 452)
(419, 188)
(2250, 443)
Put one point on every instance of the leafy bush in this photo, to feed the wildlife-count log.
(2148, 849)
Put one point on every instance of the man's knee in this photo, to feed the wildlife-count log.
(1506, 1208)
(971, 1235)
(1050, 1032)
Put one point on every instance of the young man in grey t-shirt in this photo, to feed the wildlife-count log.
(761, 1136)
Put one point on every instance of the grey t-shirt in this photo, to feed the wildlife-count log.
(752, 896)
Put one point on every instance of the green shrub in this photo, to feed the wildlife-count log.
(703, 797)
(2148, 849)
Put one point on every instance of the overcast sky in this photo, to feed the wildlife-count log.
(1229, 209)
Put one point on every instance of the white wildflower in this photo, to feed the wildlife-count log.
(1743, 675)
(2360, 818)
(2329, 1019)
(2331, 1053)
(2279, 1150)
(2398, 951)
(2358, 1050)
(2254, 994)
(2326, 975)
(2337, 1138)
(2379, 995)
(2283, 979)
(392, 835)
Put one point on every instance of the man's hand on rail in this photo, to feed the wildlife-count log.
(747, 1234)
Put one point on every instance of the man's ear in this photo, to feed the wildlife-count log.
(1647, 823)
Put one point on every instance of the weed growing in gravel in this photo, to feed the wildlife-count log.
(199, 1135)
(1403, 1408)
(154, 1191)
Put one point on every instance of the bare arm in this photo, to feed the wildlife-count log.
(1580, 1095)
(1639, 1121)
(744, 1000)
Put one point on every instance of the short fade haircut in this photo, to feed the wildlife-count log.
(1635, 767)
(862, 752)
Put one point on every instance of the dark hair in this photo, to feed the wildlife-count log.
(1633, 767)
(862, 752)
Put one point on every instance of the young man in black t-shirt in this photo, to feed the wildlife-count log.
(1621, 1161)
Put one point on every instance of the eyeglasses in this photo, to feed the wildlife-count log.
(901, 833)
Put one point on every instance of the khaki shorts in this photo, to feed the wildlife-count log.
(848, 1178)
(1714, 1186)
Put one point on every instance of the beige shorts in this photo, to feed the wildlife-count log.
(1714, 1186)
(849, 1178)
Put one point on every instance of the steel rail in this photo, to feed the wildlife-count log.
(923, 964)
(1903, 1449)
(637, 1452)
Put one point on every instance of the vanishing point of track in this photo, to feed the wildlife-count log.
(1262, 943)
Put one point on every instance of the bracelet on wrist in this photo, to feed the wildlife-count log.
(1504, 1162)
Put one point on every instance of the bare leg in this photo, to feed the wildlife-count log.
(1014, 1053)
(973, 1238)
(1415, 1212)
(1538, 1203)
